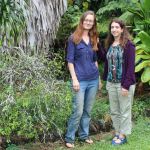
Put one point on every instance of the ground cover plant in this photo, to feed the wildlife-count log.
(31, 103)
(139, 139)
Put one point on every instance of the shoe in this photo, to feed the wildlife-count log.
(116, 137)
(119, 141)
(69, 145)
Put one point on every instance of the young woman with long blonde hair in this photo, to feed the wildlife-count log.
(83, 67)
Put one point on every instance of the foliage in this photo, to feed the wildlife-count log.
(100, 109)
(30, 23)
(139, 107)
(12, 21)
(57, 64)
(68, 24)
(31, 96)
(143, 56)
(30, 84)
(108, 11)
(113, 8)
(86, 4)
(43, 20)
(140, 15)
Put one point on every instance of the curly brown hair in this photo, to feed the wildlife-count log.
(125, 36)
(93, 34)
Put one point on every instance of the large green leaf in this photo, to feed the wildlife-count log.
(139, 51)
(127, 17)
(146, 75)
(135, 12)
(145, 38)
(146, 5)
(142, 65)
(139, 57)
(136, 40)
(140, 46)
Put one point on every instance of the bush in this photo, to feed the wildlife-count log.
(100, 109)
(140, 105)
(33, 103)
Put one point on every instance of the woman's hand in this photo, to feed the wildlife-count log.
(124, 92)
(76, 85)
(75, 82)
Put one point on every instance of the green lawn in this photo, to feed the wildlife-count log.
(138, 140)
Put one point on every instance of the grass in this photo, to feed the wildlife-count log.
(138, 140)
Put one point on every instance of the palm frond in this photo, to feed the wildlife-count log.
(30, 24)
(43, 21)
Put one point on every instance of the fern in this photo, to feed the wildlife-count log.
(112, 6)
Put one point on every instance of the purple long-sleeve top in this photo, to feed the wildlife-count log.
(83, 58)
(128, 65)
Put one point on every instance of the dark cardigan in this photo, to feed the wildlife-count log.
(128, 66)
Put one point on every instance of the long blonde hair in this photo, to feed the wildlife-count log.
(93, 34)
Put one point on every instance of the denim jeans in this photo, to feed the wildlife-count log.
(83, 101)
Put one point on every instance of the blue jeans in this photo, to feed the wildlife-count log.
(83, 101)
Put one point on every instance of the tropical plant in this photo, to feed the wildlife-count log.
(12, 21)
(43, 21)
(31, 95)
(139, 15)
(143, 56)
(30, 23)
(113, 8)
(110, 10)
(71, 16)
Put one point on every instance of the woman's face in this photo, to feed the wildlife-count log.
(116, 30)
(88, 22)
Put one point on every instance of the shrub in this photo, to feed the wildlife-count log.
(140, 105)
(33, 103)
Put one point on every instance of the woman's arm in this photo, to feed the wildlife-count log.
(75, 82)
(70, 59)
(129, 75)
